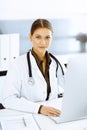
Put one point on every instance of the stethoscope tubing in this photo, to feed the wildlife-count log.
(31, 80)
(30, 68)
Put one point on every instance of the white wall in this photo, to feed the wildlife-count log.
(25, 9)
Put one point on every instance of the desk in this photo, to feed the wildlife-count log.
(44, 122)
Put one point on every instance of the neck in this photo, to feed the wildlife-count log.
(40, 55)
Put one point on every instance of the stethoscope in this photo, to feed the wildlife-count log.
(31, 80)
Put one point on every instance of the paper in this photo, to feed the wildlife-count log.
(19, 123)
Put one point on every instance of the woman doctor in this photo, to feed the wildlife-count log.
(27, 94)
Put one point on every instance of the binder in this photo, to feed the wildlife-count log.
(9, 49)
(4, 52)
(13, 46)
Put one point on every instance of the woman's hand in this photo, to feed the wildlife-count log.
(50, 111)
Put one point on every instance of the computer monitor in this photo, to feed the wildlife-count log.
(74, 106)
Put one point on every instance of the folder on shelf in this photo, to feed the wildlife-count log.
(4, 52)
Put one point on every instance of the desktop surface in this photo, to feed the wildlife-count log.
(44, 122)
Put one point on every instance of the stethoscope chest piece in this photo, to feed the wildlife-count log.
(31, 81)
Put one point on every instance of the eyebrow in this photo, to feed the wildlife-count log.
(41, 35)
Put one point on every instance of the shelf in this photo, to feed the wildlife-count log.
(3, 73)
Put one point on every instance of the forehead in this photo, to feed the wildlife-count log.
(42, 31)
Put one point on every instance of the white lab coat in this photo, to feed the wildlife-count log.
(19, 94)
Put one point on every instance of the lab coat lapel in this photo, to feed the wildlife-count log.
(52, 74)
(35, 67)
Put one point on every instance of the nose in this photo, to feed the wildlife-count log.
(43, 42)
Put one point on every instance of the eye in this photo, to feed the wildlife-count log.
(48, 37)
(38, 37)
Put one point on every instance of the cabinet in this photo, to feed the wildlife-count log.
(9, 51)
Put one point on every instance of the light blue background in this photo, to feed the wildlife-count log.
(64, 41)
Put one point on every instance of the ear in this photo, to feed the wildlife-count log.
(30, 37)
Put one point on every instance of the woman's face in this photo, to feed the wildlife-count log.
(41, 40)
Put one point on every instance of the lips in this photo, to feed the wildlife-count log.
(42, 47)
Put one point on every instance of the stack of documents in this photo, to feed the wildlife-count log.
(26, 122)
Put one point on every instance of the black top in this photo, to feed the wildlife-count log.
(46, 74)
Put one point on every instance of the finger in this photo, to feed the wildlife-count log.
(54, 113)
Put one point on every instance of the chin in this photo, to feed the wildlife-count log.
(42, 50)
